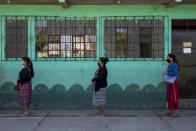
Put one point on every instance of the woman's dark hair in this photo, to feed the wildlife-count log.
(173, 57)
(29, 64)
(104, 60)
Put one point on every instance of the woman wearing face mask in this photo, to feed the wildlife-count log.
(25, 85)
(172, 88)
(100, 83)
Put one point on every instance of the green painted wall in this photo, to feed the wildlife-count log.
(132, 84)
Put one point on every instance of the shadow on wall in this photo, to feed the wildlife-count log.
(188, 90)
(78, 97)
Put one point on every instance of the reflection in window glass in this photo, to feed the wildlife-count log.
(121, 42)
(90, 42)
(146, 42)
(66, 46)
(65, 38)
(78, 46)
(54, 49)
(134, 37)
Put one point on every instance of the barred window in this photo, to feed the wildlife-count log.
(122, 42)
(146, 42)
(16, 38)
(66, 37)
(134, 37)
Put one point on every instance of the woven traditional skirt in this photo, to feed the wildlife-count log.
(172, 96)
(25, 94)
(99, 97)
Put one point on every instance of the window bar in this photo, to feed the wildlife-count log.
(151, 44)
(101, 30)
(18, 34)
(81, 37)
(65, 41)
(163, 54)
(80, 28)
(95, 33)
(48, 35)
(71, 38)
(75, 38)
(115, 38)
(82, 40)
(24, 32)
(153, 36)
(21, 31)
(86, 26)
(100, 43)
(6, 36)
(17, 44)
(127, 25)
(59, 39)
(105, 38)
(140, 37)
(6, 49)
(134, 41)
(55, 38)
(158, 34)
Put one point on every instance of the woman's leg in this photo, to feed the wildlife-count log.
(27, 109)
(175, 97)
(173, 113)
(101, 110)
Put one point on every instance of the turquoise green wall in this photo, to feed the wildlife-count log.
(145, 77)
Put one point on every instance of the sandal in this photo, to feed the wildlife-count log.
(99, 114)
(168, 114)
(172, 115)
(25, 114)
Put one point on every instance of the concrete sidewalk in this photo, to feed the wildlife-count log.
(86, 120)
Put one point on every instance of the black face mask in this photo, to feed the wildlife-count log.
(98, 64)
(168, 61)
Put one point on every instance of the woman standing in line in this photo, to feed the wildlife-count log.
(100, 83)
(172, 88)
(24, 84)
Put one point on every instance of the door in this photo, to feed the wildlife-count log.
(184, 47)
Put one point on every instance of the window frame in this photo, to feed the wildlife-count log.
(99, 22)
(3, 31)
(141, 43)
(165, 28)
(97, 55)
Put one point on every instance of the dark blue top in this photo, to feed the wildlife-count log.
(173, 70)
(100, 78)
(24, 76)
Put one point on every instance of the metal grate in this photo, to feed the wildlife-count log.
(66, 38)
(16, 37)
(75, 38)
(134, 37)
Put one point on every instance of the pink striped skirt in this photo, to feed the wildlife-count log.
(25, 95)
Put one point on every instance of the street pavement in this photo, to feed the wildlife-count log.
(86, 120)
